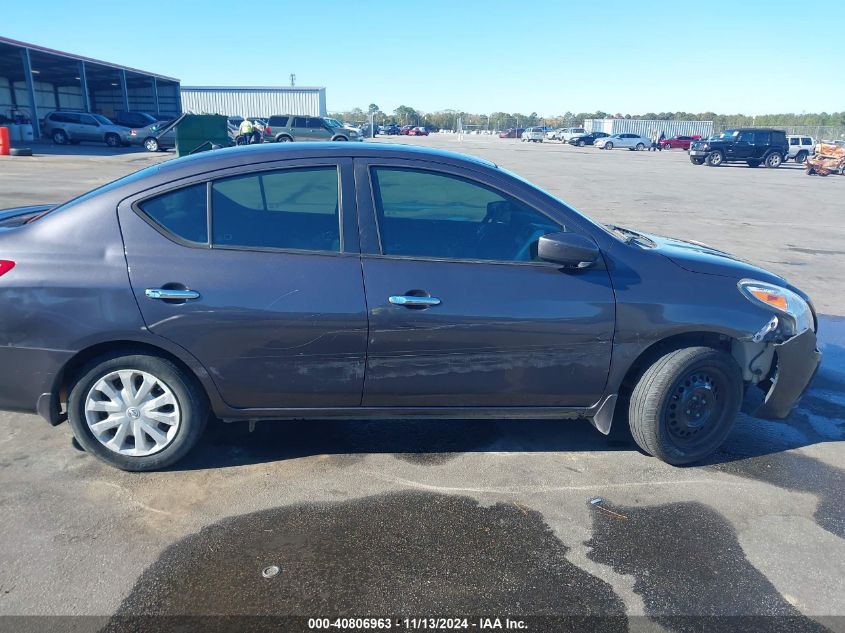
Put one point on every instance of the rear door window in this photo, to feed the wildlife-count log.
(181, 213)
(284, 209)
(806, 141)
(794, 141)
(278, 121)
(300, 122)
(761, 138)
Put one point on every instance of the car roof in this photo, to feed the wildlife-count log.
(269, 152)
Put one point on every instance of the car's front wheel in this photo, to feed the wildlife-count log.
(608, 145)
(714, 159)
(112, 140)
(60, 137)
(640, 147)
(136, 412)
(685, 404)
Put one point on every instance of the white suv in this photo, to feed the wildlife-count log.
(800, 147)
(569, 132)
(534, 134)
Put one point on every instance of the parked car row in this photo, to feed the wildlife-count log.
(72, 127)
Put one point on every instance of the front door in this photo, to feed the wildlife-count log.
(742, 148)
(275, 310)
(461, 311)
(318, 129)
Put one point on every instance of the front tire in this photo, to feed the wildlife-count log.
(581, 143)
(137, 412)
(112, 140)
(640, 147)
(151, 144)
(608, 145)
(340, 138)
(685, 404)
(714, 159)
(60, 137)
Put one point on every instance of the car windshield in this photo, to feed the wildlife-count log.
(101, 119)
(728, 134)
(333, 123)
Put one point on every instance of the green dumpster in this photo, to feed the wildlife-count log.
(198, 132)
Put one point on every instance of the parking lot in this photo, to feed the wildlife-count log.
(491, 518)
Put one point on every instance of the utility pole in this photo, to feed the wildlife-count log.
(292, 80)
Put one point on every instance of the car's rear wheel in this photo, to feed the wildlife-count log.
(151, 144)
(774, 160)
(685, 404)
(801, 157)
(581, 143)
(283, 139)
(714, 159)
(136, 412)
(608, 145)
(640, 147)
(59, 137)
(112, 140)
(340, 138)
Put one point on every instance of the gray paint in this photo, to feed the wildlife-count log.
(319, 340)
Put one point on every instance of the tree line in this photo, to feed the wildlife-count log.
(448, 119)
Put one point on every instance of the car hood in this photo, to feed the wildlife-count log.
(700, 258)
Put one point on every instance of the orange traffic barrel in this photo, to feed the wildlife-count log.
(4, 141)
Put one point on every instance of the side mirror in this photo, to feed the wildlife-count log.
(569, 249)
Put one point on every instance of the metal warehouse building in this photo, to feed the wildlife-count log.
(261, 101)
(35, 80)
(643, 127)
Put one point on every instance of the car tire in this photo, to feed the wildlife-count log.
(608, 145)
(59, 137)
(774, 160)
(284, 139)
(696, 160)
(112, 140)
(188, 411)
(714, 159)
(340, 138)
(705, 380)
(801, 157)
(752, 163)
(581, 143)
(151, 144)
(640, 147)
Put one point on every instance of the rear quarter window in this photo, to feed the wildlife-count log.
(278, 121)
(181, 213)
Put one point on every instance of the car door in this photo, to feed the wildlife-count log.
(275, 307)
(742, 148)
(460, 311)
(89, 129)
(300, 129)
(318, 129)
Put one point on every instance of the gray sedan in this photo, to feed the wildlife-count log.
(155, 137)
(353, 280)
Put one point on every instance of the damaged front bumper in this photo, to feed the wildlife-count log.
(797, 361)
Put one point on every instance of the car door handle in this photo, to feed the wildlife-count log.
(413, 302)
(171, 294)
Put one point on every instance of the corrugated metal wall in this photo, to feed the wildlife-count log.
(262, 102)
(643, 127)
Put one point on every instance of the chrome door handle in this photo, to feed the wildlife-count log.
(413, 302)
(171, 294)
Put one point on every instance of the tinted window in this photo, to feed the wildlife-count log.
(279, 121)
(69, 117)
(300, 121)
(806, 141)
(777, 137)
(761, 138)
(746, 137)
(291, 208)
(793, 141)
(427, 214)
(315, 123)
(181, 212)
(88, 120)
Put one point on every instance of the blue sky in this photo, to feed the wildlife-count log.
(543, 56)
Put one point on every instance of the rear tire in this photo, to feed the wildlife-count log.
(284, 139)
(774, 160)
(188, 414)
(581, 143)
(340, 138)
(60, 137)
(608, 145)
(801, 157)
(640, 147)
(685, 404)
(112, 140)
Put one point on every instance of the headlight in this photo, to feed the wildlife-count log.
(781, 300)
(353, 133)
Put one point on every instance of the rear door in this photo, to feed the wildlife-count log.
(276, 312)
(89, 129)
(300, 128)
(461, 311)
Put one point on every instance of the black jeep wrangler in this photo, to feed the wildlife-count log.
(753, 146)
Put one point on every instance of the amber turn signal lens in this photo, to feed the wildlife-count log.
(775, 300)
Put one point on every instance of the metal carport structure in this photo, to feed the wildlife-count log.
(35, 80)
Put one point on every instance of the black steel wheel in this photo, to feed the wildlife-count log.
(685, 404)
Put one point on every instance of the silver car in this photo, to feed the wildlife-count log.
(156, 137)
(74, 127)
(626, 140)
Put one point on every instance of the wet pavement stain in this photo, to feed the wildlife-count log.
(397, 554)
(690, 570)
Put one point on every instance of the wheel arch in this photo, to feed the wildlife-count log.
(70, 370)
